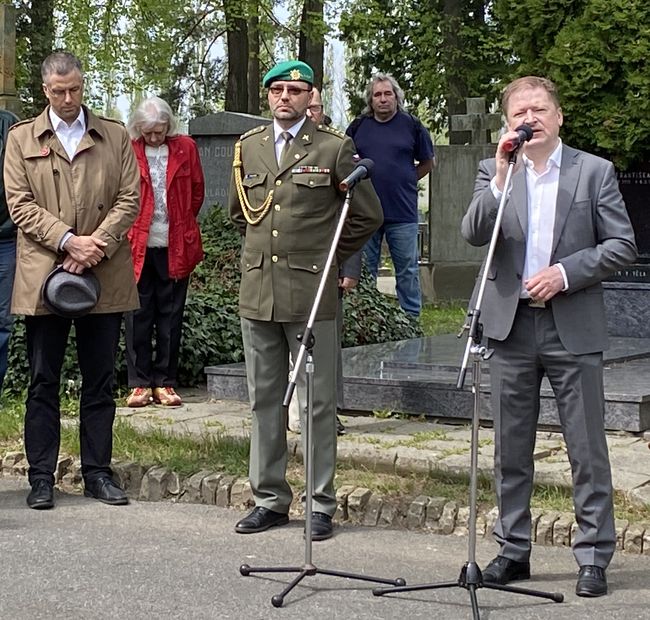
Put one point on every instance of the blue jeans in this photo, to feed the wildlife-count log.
(402, 240)
(7, 267)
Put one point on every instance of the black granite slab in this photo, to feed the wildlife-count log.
(419, 377)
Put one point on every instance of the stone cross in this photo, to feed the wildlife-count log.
(476, 121)
(8, 99)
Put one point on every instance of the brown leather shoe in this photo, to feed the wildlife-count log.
(166, 396)
(139, 397)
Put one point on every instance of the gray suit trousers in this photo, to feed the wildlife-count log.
(531, 350)
(266, 347)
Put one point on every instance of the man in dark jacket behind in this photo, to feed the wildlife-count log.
(7, 253)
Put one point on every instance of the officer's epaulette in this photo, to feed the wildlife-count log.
(252, 132)
(112, 120)
(19, 123)
(331, 130)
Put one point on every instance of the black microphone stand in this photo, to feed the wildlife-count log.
(471, 578)
(309, 569)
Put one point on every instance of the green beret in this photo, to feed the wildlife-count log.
(291, 71)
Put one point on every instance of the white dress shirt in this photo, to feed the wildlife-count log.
(279, 140)
(541, 194)
(541, 189)
(69, 135)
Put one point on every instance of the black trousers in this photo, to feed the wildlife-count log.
(97, 337)
(162, 302)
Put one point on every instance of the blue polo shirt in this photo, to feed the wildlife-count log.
(393, 146)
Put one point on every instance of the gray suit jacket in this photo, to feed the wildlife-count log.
(592, 238)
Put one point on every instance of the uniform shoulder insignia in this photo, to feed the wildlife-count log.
(252, 132)
(331, 130)
(25, 122)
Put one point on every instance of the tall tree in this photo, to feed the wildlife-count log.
(237, 42)
(311, 40)
(34, 41)
(254, 59)
(597, 52)
(440, 51)
(134, 48)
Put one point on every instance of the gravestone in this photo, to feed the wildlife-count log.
(455, 262)
(215, 136)
(8, 99)
(627, 292)
(476, 121)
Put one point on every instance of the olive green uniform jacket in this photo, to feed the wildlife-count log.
(284, 255)
(97, 193)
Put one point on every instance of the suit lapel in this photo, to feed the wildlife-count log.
(519, 197)
(566, 189)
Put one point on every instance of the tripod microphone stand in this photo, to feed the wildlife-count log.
(309, 569)
(471, 578)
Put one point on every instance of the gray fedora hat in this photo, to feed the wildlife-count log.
(70, 295)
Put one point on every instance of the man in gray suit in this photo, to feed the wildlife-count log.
(564, 229)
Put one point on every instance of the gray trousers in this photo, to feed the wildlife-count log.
(531, 350)
(266, 348)
(298, 405)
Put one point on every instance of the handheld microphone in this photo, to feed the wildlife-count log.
(360, 172)
(524, 134)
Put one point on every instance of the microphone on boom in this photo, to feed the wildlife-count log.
(360, 172)
(524, 134)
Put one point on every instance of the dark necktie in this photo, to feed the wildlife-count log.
(285, 149)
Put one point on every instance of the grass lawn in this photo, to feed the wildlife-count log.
(187, 455)
(444, 317)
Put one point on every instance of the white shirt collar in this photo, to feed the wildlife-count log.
(293, 130)
(554, 159)
(56, 120)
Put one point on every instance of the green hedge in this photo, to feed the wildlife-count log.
(211, 332)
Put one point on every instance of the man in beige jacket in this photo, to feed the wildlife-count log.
(72, 189)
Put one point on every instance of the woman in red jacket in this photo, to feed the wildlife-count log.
(166, 247)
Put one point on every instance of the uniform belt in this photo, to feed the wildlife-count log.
(530, 303)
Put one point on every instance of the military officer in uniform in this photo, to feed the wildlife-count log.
(285, 200)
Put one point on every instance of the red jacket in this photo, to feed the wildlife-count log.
(185, 191)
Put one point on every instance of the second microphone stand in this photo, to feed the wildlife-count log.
(471, 578)
(309, 569)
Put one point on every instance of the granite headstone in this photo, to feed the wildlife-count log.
(455, 262)
(627, 292)
(215, 136)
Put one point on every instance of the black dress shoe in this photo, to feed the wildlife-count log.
(340, 429)
(321, 526)
(503, 570)
(41, 497)
(259, 520)
(106, 490)
(591, 581)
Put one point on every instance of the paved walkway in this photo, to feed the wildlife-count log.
(407, 445)
(85, 560)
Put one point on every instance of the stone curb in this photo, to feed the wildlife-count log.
(358, 506)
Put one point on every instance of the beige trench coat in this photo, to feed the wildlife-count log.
(48, 195)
